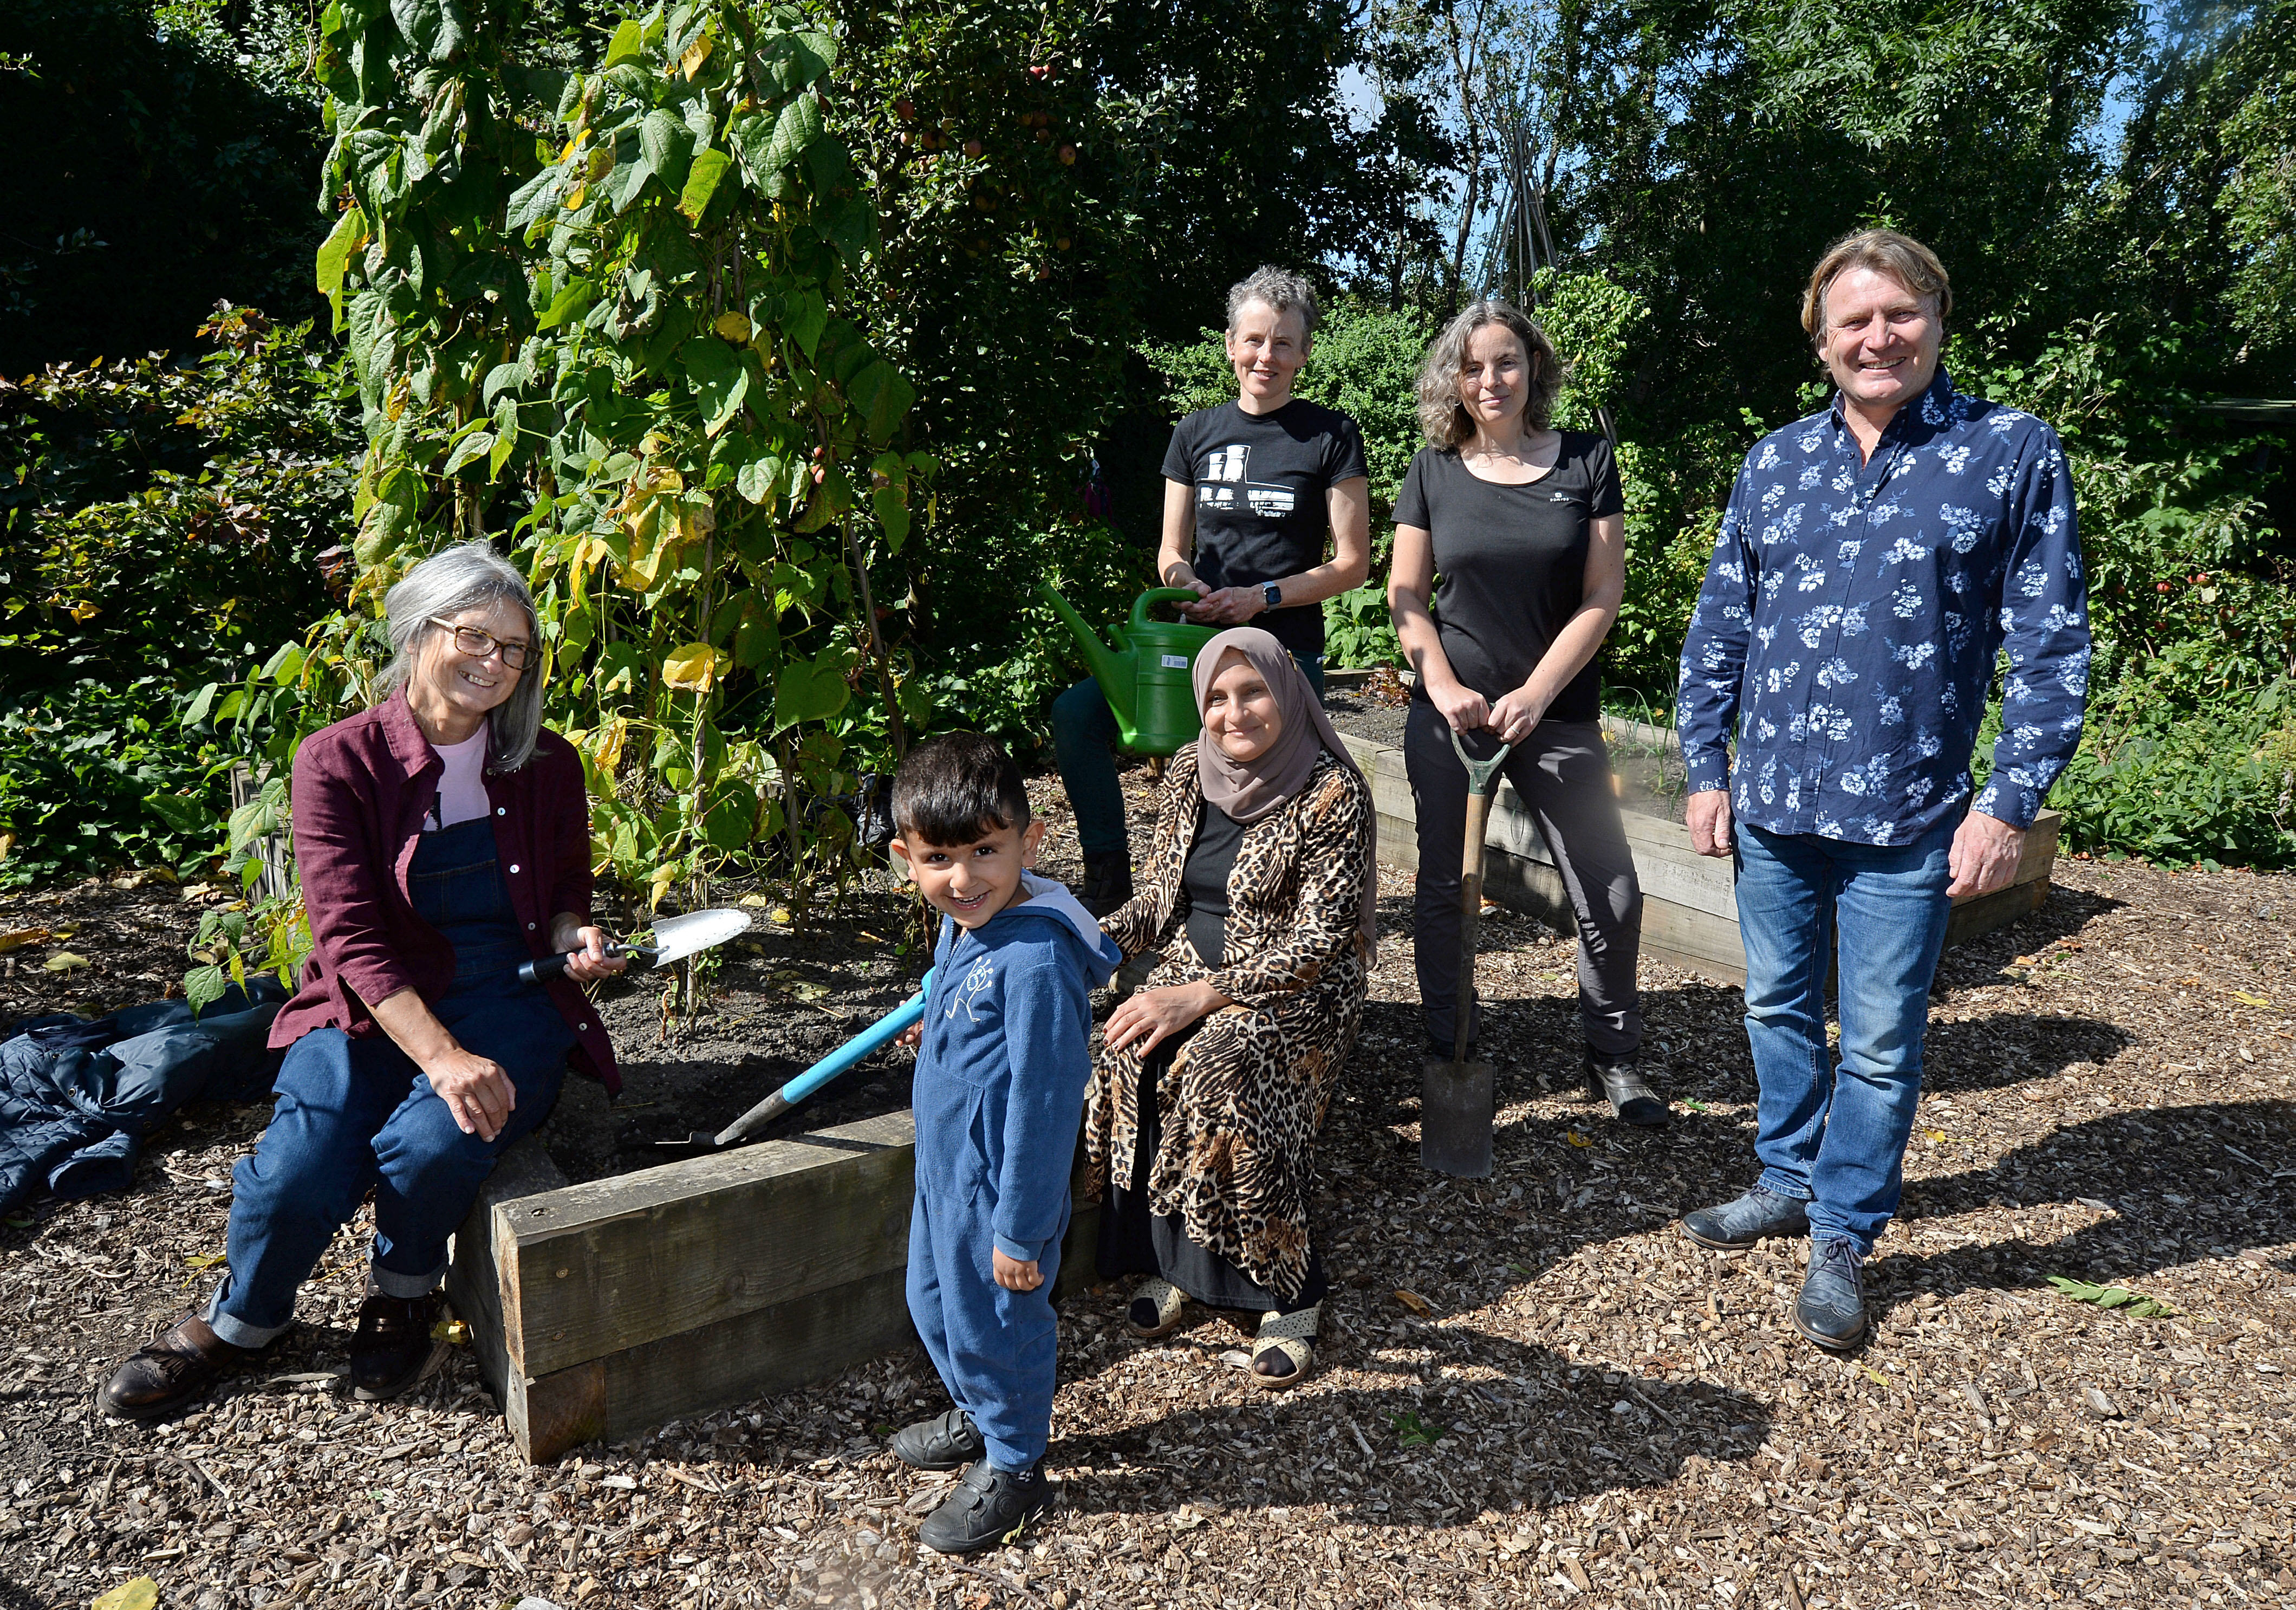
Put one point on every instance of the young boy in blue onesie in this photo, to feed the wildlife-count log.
(1002, 1066)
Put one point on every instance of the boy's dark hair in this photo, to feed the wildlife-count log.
(957, 788)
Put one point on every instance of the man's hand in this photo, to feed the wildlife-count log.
(1013, 1274)
(1229, 606)
(1460, 705)
(476, 1091)
(1709, 821)
(1985, 855)
(1151, 1016)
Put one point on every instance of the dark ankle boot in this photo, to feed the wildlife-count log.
(172, 1370)
(394, 1347)
(1107, 881)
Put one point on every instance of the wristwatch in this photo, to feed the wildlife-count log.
(1271, 595)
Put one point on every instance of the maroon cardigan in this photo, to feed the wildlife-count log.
(360, 790)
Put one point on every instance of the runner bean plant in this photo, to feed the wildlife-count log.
(606, 319)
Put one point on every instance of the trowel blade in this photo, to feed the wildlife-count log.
(676, 938)
(1456, 1109)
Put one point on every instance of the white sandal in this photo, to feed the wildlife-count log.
(1165, 1298)
(1292, 1336)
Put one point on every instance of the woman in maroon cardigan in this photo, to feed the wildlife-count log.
(443, 838)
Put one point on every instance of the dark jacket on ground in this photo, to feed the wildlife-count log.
(77, 1098)
(361, 789)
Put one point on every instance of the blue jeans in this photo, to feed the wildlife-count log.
(1836, 1138)
(1084, 732)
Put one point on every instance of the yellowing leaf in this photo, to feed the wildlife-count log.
(605, 744)
(663, 878)
(204, 1260)
(63, 961)
(1575, 1139)
(23, 936)
(2253, 1001)
(692, 668)
(696, 53)
(734, 325)
(454, 1333)
(1412, 1300)
(142, 1593)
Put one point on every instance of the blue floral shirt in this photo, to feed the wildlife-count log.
(1852, 615)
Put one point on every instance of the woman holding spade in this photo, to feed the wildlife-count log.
(1525, 525)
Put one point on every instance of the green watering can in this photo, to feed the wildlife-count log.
(1147, 678)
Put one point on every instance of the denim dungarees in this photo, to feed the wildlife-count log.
(356, 1114)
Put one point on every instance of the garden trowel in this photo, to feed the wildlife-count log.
(674, 938)
(1456, 1104)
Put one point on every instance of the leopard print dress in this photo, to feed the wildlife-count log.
(1247, 1093)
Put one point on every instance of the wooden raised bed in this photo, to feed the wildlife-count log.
(1690, 907)
(598, 1310)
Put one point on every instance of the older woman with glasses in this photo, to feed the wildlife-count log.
(443, 840)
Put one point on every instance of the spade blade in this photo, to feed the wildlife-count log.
(1456, 1109)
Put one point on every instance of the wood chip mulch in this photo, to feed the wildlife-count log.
(1589, 1411)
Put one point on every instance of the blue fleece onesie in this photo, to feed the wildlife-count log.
(999, 1100)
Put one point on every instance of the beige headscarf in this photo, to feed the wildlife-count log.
(1249, 790)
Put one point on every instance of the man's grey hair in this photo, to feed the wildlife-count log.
(468, 576)
(1280, 289)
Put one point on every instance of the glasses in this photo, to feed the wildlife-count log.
(479, 642)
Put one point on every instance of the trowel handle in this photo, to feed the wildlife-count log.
(542, 970)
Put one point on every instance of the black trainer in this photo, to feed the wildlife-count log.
(1107, 881)
(987, 1508)
(1619, 1081)
(945, 1443)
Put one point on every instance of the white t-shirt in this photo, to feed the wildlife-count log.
(462, 790)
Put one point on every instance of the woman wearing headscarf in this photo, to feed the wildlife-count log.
(1213, 1080)
(443, 838)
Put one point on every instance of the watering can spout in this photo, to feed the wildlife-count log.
(1105, 667)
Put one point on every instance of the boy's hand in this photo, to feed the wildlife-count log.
(1013, 1274)
(912, 1037)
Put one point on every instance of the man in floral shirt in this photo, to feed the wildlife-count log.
(1875, 561)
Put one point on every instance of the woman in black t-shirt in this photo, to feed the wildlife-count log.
(1524, 524)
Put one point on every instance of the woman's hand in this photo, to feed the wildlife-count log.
(476, 1091)
(1229, 606)
(1517, 711)
(584, 949)
(1461, 705)
(1151, 1016)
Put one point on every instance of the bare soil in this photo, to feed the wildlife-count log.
(1589, 1410)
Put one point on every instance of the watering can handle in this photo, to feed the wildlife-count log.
(1480, 773)
(1155, 595)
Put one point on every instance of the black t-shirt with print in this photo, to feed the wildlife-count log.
(1261, 481)
(1511, 564)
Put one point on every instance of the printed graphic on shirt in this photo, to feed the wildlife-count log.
(972, 988)
(1224, 472)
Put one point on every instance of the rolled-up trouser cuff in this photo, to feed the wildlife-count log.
(235, 1330)
(391, 1283)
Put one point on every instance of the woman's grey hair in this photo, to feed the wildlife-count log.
(468, 576)
(1280, 289)
(1442, 417)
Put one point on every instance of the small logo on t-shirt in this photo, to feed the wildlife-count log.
(972, 988)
